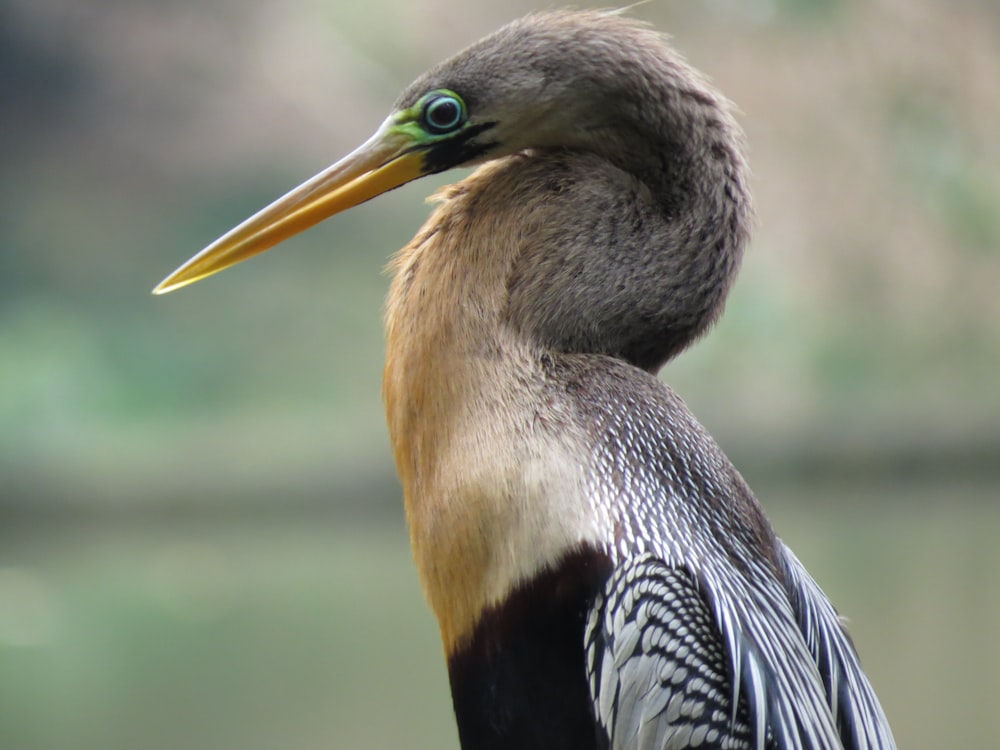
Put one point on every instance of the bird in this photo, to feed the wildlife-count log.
(602, 575)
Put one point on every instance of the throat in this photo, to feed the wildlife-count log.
(520, 680)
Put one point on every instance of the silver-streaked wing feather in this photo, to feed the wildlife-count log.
(668, 490)
(772, 666)
(664, 676)
(658, 672)
(856, 709)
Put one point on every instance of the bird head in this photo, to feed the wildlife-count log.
(552, 80)
(468, 109)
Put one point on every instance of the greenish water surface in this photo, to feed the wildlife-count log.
(311, 632)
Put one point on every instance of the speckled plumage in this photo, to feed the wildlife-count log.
(671, 494)
(657, 670)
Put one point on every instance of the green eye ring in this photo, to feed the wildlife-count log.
(442, 112)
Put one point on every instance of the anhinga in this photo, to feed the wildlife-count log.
(602, 576)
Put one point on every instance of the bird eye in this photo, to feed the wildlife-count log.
(443, 112)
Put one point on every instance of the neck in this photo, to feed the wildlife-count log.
(637, 262)
(547, 252)
(634, 217)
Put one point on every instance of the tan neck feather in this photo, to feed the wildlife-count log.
(491, 488)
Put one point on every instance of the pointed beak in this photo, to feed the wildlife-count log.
(386, 160)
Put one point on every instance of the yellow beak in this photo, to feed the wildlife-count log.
(385, 161)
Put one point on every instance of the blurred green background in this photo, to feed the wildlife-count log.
(201, 537)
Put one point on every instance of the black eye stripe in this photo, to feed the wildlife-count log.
(462, 147)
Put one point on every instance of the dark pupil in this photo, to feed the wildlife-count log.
(443, 113)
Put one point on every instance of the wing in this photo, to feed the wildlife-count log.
(856, 709)
(763, 646)
(661, 675)
(658, 671)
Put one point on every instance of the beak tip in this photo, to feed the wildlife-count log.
(163, 288)
(169, 285)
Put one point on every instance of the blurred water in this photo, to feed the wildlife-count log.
(310, 631)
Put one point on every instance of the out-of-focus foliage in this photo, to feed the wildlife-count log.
(864, 321)
(860, 341)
